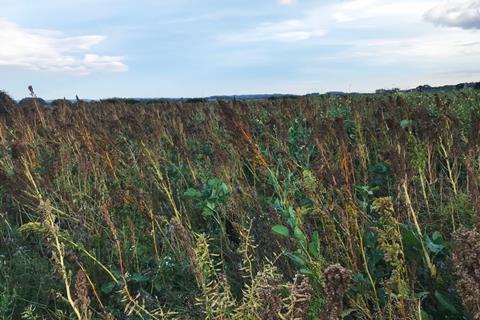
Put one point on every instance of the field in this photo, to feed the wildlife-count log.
(355, 207)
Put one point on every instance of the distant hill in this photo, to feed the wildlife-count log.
(253, 97)
(430, 89)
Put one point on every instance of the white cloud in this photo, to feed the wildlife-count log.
(320, 18)
(353, 10)
(463, 14)
(421, 49)
(380, 32)
(37, 49)
(283, 31)
(285, 2)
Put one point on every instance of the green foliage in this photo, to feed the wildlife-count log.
(300, 145)
(214, 194)
(280, 230)
(19, 270)
(406, 124)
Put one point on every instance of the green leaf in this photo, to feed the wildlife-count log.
(292, 217)
(280, 230)
(306, 272)
(405, 124)
(432, 246)
(214, 182)
(437, 237)
(298, 234)
(379, 168)
(299, 261)
(210, 205)
(444, 302)
(206, 212)
(107, 287)
(138, 277)
(421, 295)
(223, 188)
(292, 222)
(192, 193)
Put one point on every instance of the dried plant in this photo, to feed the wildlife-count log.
(58, 252)
(81, 291)
(262, 297)
(390, 242)
(216, 299)
(337, 282)
(298, 301)
(185, 244)
(465, 259)
(364, 180)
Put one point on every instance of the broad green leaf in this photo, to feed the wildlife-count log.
(432, 246)
(299, 261)
(210, 205)
(306, 271)
(280, 230)
(298, 234)
(192, 193)
(405, 124)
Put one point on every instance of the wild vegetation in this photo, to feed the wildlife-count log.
(362, 207)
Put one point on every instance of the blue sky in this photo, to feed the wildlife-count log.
(186, 48)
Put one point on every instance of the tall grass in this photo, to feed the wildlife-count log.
(304, 208)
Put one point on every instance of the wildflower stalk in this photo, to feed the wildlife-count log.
(413, 215)
(58, 257)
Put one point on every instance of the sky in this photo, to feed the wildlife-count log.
(196, 48)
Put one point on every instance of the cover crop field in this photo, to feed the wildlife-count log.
(354, 207)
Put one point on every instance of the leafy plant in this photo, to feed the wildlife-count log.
(214, 194)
